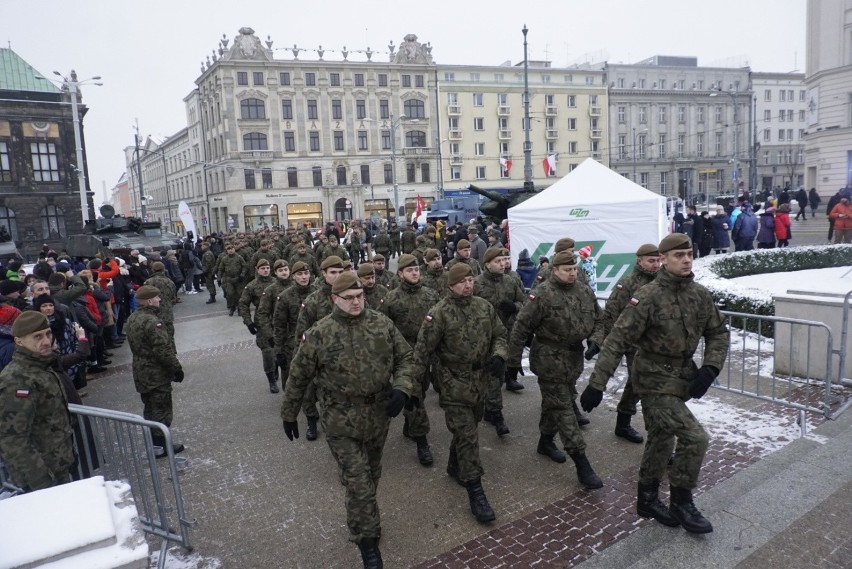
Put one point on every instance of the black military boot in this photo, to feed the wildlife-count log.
(211, 300)
(453, 466)
(684, 511)
(496, 419)
(512, 384)
(424, 453)
(311, 433)
(370, 554)
(625, 431)
(582, 420)
(547, 447)
(648, 504)
(479, 505)
(585, 473)
(273, 381)
(231, 311)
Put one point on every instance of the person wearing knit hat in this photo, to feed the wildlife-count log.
(230, 267)
(463, 371)
(12, 290)
(589, 266)
(250, 298)
(407, 306)
(462, 255)
(168, 296)
(434, 277)
(155, 362)
(561, 313)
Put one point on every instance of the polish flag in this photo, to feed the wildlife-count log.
(549, 164)
(421, 205)
(506, 165)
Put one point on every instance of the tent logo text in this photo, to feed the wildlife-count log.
(579, 212)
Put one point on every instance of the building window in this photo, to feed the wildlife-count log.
(780, 135)
(292, 178)
(480, 172)
(622, 114)
(316, 172)
(718, 113)
(266, 178)
(499, 78)
(641, 84)
(681, 146)
(545, 78)
(335, 79)
(641, 146)
(45, 162)
(289, 141)
(386, 140)
(252, 109)
(362, 140)
(242, 77)
(8, 224)
(789, 115)
(474, 77)
(662, 111)
(312, 109)
(766, 157)
(310, 79)
(406, 80)
(248, 174)
(418, 81)
(414, 109)
(700, 114)
(478, 123)
(257, 77)
(284, 77)
(767, 135)
(643, 179)
(424, 173)
(593, 100)
(455, 172)
(717, 147)
(254, 141)
(287, 109)
(341, 175)
(449, 76)
(767, 116)
(642, 114)
(477, 99)
(572, 147)
(388, 170)
(572, 124)
(661, 145)
(802, 115)
(365, 174)
(572, 100)
(410, 172)
(479, 149)
(664, 182)
(338, 140)
(415, 139)
(5, 163)
(699, 144)
(681, 114)
(383, 79)
(361, 109)
(314, 138)
(767, 94)
(359, 79)
(790, 135)
(384, 109)
(336, 109)
(52, 222)
(622, 147)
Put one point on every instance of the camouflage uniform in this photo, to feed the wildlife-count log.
(435, 279)
(35, 426)
(382, 244)
(316, 306)
(354, 361)
(284, 319)
(407, 306)
(474, 265)
(408, 240)
(155, 362)
(561, 315)
(270, 255)
(395, 240)
(307, 259)
(386, 279)
(375, 296)
(168, 297)
(252, 294)
(458, 336)
(328, 251)
(266, 309)
(208, 268)
(230, 270)
(544, 274)
(665, 321)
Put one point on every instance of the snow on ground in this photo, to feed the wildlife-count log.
(814, 280)
(177, 559)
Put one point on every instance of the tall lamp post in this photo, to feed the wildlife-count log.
(394, 123)
(736, 177)
(528, 183)
(73, 86)
(634, 151)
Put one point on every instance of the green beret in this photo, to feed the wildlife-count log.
(406, 260)
(457, 273)
(463, 244)
(675, 241)
(494, 252)
(29, 322)
(332, 261)
(366, 270)
(563, 244)
(647, 249)
(158, 267)
(262, 263)
(146, 292)
(300, 266)
(378, 257)
(420, 239)
(280, 263)
(564, 258)
(432, 254)
(345, 282)
(347, 264)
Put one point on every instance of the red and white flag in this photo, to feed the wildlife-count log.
(421, 205)
(506, 165)
(549, 164)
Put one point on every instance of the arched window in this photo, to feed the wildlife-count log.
(341, 175)
(415, 138)
(414, 109)
(252, 109)
(52, 222)
(8, 225)
(254, 141)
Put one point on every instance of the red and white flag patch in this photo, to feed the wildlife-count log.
(531, 296)
(428, 318)
(619, 287)
(22, 393)
(634, 301)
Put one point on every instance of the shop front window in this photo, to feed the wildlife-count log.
(260, 217)
(307, 215)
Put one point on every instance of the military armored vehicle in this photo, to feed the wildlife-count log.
(119, 235)
(497, 205)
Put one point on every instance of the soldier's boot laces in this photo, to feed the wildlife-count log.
(273, 381)
(585, 473)
(683, 510)
(424, 453)
(625, 431)
(582, 420)
(547, 447)
(211, 300)
(370, 554)
(513, 384)
(479, 505)
(311, 432)
(453, 467)
(649, 505)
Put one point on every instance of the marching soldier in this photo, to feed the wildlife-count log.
(208, 268)
(464, 339)
(420, 250)
(564, 244)
(562, 313)
(435, 277)
(395, 239)
(285, 316)
(302, 254)
(383, 277)
(266, 307)
(361, 366)
(265, 252)
(408, 240)
(168, 296)
(406, 306)
(664, 321)
(382, 243)
(334, 249)
(251, 296)
(463, 256)
(230, 267)
(374, 295)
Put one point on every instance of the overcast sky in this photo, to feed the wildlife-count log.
(148, 53)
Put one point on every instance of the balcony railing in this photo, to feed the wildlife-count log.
(594, 111)
(456, 160)
(596, 155)
(455, 134)
(416, 151)
(551, 111)
(505, 134)
(257, 155)
(596, 133)
(551, 134)
(504, 111)
(454, 110)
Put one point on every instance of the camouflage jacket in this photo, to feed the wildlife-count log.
(286, 316)
(354, 361)
(266, 307)
(308, 259)
(474, 265)
(544, 274)
(419, 253)
(252, 293)
(328, 251)
(316, 306)
(154, 359)
(408, 240)
(375, 296)
(386, 279)
(168, 295)
(208, 264)
(230, 267)
(435, 279)
(665, 319)
(407, 305)
(394, 236)
(624, 290)
(497, 287)
(382, 243)
(270, 255)
(35, 426)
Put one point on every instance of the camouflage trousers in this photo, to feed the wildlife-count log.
(417, 419)
(233, 289)
(356, 436)
(667, 418)
(557, 414)
(210, 283)
(463, 422)
(629, 397)
(309, 402)
(158, 404)
(395, 249)
(267, 351)
(494, 395)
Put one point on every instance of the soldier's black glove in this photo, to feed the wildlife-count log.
(396, 401)
(219, 282)
(592, 350)
(178, 376)
(496, 366)
(291, 429)
(252, 329)
(590, 398)
(281, 361)
(412, 403)
(507, 307)
(701, 381)
(512, 373)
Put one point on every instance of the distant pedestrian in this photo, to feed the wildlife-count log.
(720, 224)
(802, 200)
(814, 200)
(745, 228)
(832, 201)
(766, 233)
(782, 225)
(842, 216)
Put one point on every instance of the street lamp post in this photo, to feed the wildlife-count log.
(528, 183)
(634, 152)
(393, 125)
(736, 158)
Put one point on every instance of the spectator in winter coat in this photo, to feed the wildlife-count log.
(745, 229)
(814, 200)
(766, 233)
(802, 200)
(705, 241)
(721, 238)
(477, 245)
(782, 225)
(8, 315)
(842, 216)
(832, 202)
